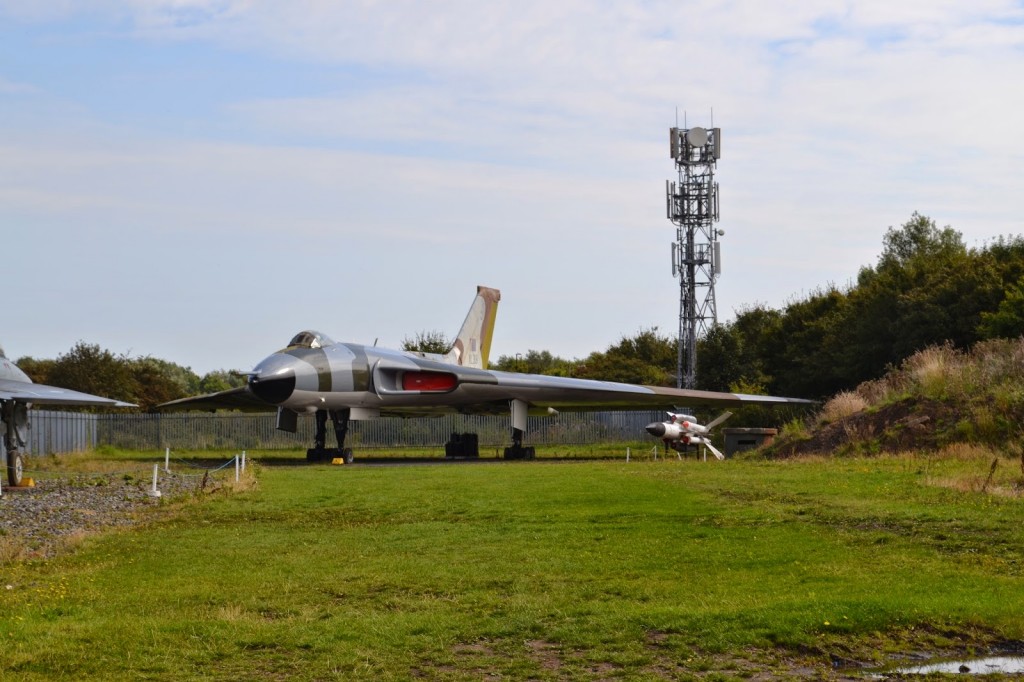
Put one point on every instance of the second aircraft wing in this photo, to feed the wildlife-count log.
(41, 394)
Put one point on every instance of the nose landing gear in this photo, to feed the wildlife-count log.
(320, 452)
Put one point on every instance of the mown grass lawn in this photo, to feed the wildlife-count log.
(530, 570)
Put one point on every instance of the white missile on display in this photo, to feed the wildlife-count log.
(682, 430)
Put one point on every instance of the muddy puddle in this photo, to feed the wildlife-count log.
(988, 665)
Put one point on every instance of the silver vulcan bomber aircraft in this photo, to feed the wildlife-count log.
(17, 394)
(345, 381)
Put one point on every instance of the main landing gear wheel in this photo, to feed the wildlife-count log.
(519, 452)
(15, 468)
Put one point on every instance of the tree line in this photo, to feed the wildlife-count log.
(145, 381)
(927, 288)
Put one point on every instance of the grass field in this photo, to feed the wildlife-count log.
(536, 570)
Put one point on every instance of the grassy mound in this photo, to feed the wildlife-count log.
(938, 398)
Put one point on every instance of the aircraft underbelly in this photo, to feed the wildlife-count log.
(310, 401)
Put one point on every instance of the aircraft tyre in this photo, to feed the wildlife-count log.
(519, 452)
(15, 468)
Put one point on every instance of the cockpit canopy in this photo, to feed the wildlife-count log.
(310, 339)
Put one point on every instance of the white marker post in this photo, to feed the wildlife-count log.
(156, 471)
(167, 460)
(243, 460)
(237, 463)
(627, 454)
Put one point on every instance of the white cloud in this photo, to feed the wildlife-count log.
(526, 143)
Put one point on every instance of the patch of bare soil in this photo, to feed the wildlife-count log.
(671, 656)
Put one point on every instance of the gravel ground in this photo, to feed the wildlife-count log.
(40, 520)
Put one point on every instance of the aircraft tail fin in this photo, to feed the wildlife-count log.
(472, 346)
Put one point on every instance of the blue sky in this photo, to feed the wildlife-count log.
(197, 181)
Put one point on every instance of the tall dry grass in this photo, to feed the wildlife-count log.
(980, 469)
(982, 390)
(840, 406)
(12, 549)
(994, 367)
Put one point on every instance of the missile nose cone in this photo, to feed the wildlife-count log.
(657, 429)
(275, 387)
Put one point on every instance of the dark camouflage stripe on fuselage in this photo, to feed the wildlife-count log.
(360, 368)
(318, 359)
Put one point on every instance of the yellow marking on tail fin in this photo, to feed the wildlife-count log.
(472, 347)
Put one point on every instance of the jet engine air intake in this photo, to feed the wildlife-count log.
(428, 382)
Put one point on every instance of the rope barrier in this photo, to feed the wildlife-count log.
(200, 466)
(238, 461)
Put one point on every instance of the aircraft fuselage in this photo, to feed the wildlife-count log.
(344, 376)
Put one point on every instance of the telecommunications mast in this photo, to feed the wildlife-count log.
(696, 253)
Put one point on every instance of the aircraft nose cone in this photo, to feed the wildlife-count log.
(656, 429)
(273, 388)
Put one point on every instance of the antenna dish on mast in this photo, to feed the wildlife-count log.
(697, 137)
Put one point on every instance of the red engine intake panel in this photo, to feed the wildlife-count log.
(428, 382)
